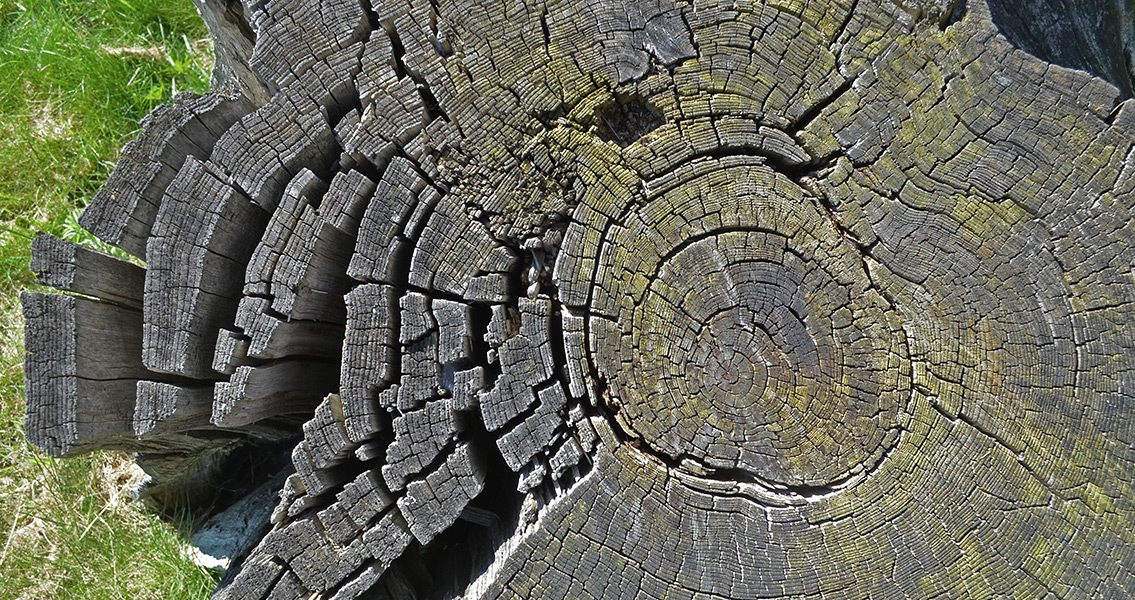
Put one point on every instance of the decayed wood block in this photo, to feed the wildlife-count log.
(643, 299)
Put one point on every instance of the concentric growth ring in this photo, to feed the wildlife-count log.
(743, 338)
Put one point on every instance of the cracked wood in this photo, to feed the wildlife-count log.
(642, 299)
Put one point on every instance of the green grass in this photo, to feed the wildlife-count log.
(76, 76)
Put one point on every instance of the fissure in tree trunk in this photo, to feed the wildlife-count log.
(631, 299)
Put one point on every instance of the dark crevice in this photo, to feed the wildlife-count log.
(514, 321)
(170, 378)
(333, 363)
(800, 489)
(397, 50)
(244, 469)
(846, 21)
(556, 340)
(544, 28)
(364, 166)
(832, 213)
(628, 120)
(268, 311)
(781, 164)
(407, 578)
(953, 16)
(481, 316)
(1087, 35)
(548, 119)
(1110, 120)
(236, 17)
(441, 46)
(560, 358)
(424, 175)
(814, 111)
(371, 16)
(1012, 448)
(339, 107)
(432, 107)
(435, 294)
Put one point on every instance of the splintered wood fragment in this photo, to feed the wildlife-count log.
(467, 386)
(568, 455)
(195, 257)
(574, 344)
(123, 211)
(277, 390)
(315, 560)
(432, 504)
(266, 148)
(336, 525)
(417, 320)
(369, 354)
(364, 498)
(388, 538)
(534, 434)
(256, 579)
(453, 271)
(288, 586)
(83, 361)
(316, 480)
(294, 500)
(304, 190)
(310, 278)
(264, 336)
(419, 437)
(513, 392)
(421, 375)
(327, 441)
(456, 333)
(169, 408)
(70, 267)
(397, 193)
(360, 582)
(292, 28)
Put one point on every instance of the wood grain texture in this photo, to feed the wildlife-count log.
(640, 299)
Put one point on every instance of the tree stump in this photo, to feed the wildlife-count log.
(627, 299)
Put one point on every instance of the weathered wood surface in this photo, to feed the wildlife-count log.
(636, 299)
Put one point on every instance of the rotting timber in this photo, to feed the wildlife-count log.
(634, 299)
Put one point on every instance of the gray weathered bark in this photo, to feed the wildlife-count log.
(644, 299)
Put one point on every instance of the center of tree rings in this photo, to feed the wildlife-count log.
(740, 335)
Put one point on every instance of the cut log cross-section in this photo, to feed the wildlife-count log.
(627, 299)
